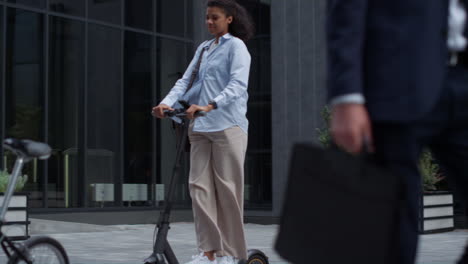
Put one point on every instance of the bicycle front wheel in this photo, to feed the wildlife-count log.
(43, 250)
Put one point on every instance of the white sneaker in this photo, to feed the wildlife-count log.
(201, 259)
(227, 260)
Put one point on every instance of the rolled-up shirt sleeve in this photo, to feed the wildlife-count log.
(353, 98)
(181, 85)
(239, 75)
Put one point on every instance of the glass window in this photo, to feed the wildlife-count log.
(260, 12)
(258, 160)
(103, 171)
(258, 183)
(66, 84)
(33, 3)
(25, 90)
(2, 34)
(171, 17)
(189, 22)
(139, 168)
(71, 7)
(105, 10)
(139, 14)
(172, 61)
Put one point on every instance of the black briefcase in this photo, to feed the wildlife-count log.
(338, 208)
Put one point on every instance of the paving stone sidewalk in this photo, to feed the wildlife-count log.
(130, 244)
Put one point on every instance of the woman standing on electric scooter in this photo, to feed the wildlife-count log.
(219, 139)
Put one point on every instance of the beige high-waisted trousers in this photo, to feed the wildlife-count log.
(216, 184)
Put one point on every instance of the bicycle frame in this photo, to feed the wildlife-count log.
(11, 186)
(7, 245)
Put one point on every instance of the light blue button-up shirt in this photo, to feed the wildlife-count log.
(223, 78)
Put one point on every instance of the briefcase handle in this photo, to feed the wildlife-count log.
(366, 150)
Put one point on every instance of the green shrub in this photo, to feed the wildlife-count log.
(5, 177)
(324, 133)
(429, 170)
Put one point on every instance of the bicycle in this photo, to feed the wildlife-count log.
(36, 250)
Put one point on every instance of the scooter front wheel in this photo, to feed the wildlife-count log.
(257, 259)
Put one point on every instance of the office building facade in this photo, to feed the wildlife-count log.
(84, 75)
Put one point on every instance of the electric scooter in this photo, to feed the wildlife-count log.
(162, 251)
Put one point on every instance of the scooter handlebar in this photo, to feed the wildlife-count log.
(181, 113)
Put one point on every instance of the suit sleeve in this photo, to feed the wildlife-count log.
(346, 32)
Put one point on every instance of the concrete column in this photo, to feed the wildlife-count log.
(298, 81)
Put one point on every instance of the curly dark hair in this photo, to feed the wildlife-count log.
(242, 25)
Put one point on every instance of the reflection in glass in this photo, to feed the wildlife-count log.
(33, 3)
(66, 82)
(108, 10)
(171, 17)
(139, 14)
(172, 62)
(138, 130)
(24, 96)
(103, 170)
(71, 7)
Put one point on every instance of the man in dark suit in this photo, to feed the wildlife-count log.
(398, 79)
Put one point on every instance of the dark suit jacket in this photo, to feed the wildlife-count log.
(392, 51)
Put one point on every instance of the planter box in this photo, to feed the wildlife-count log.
(102, 192)
(436, 214)
(134, 192)
(16, 225)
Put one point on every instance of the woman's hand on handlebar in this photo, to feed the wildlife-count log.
(197, 108)
(158, 111)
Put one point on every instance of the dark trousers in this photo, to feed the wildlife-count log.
(445, 132)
